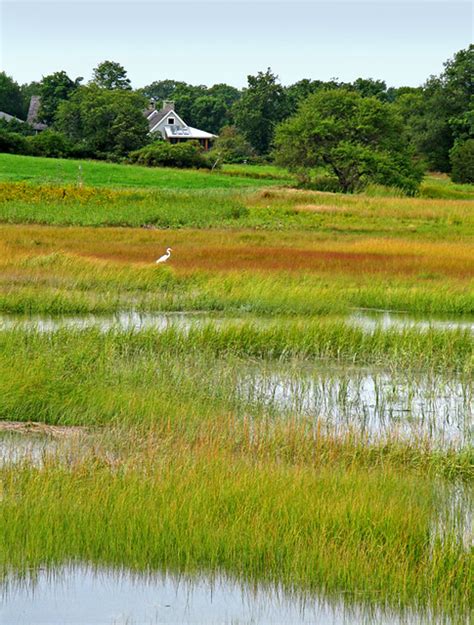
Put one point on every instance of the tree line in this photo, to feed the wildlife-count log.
(351, 129)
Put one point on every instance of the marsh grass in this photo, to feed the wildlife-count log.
(202, 507)
(187, 466)
(67, 270)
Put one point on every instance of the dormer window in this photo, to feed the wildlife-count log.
(171, 121)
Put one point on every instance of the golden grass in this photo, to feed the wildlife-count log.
(224, 251)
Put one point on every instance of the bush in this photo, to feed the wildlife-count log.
(462, 162)
(164, 154)
(50, 143)
(16, 126)
(232, 147)
(325, 183)
(12, 142)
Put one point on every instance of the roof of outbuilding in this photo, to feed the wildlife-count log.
(7, 117)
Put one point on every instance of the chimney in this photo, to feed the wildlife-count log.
(168, 105)
(152, 104)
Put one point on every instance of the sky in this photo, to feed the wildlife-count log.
(216, 41)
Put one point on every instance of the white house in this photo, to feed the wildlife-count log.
(173, 128)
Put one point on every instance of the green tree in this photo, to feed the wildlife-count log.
(264, 103)
(54, 89)
(368, 87)
(11, 100)
(443, 111)
(462, 161)
(358, 139)
(104, 122)
(231, 146)
(160, 90)
(111, 75)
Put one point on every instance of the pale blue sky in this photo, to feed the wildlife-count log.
(402, 42)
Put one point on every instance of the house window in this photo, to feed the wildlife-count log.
(170, 121)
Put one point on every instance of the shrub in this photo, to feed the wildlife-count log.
(325, 183)
(462, 162)
(12, 142)
(50, 143)
(232, 147)
(164, 154)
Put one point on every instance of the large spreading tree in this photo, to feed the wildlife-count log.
(358, 139)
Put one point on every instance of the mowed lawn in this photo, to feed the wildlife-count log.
(16, 168)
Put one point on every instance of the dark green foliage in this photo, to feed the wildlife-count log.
(160, 90)
(55, 89)
(104, 123)
(12, 142)
(442, 112)
(262, 106)
(111, 75)
(232, 147)
(16, 126)
(11, 99)
(462, 161)
(164, 154)
(49, 143)
(358, 139)
(368, 87)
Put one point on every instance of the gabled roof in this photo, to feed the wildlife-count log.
(161, 115)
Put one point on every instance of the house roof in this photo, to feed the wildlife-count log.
(154, 121)
(7, 117)
(175, 132)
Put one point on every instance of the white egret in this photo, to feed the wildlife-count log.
(164, 258)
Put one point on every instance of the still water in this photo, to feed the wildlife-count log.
(133, 320)
(80, 595)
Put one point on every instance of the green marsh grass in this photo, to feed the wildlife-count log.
(366, 533)
(180, 470)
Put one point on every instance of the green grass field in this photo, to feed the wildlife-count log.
(33, 169)
(189, 459)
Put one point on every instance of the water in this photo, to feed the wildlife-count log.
(371, 320)
(133, 320)
(17, 448)
(81, 595)
(20, 444)
(374, 402)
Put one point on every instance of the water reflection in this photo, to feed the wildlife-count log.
(79, 595)
(374, 403)
(134, 320)
(372, 320)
